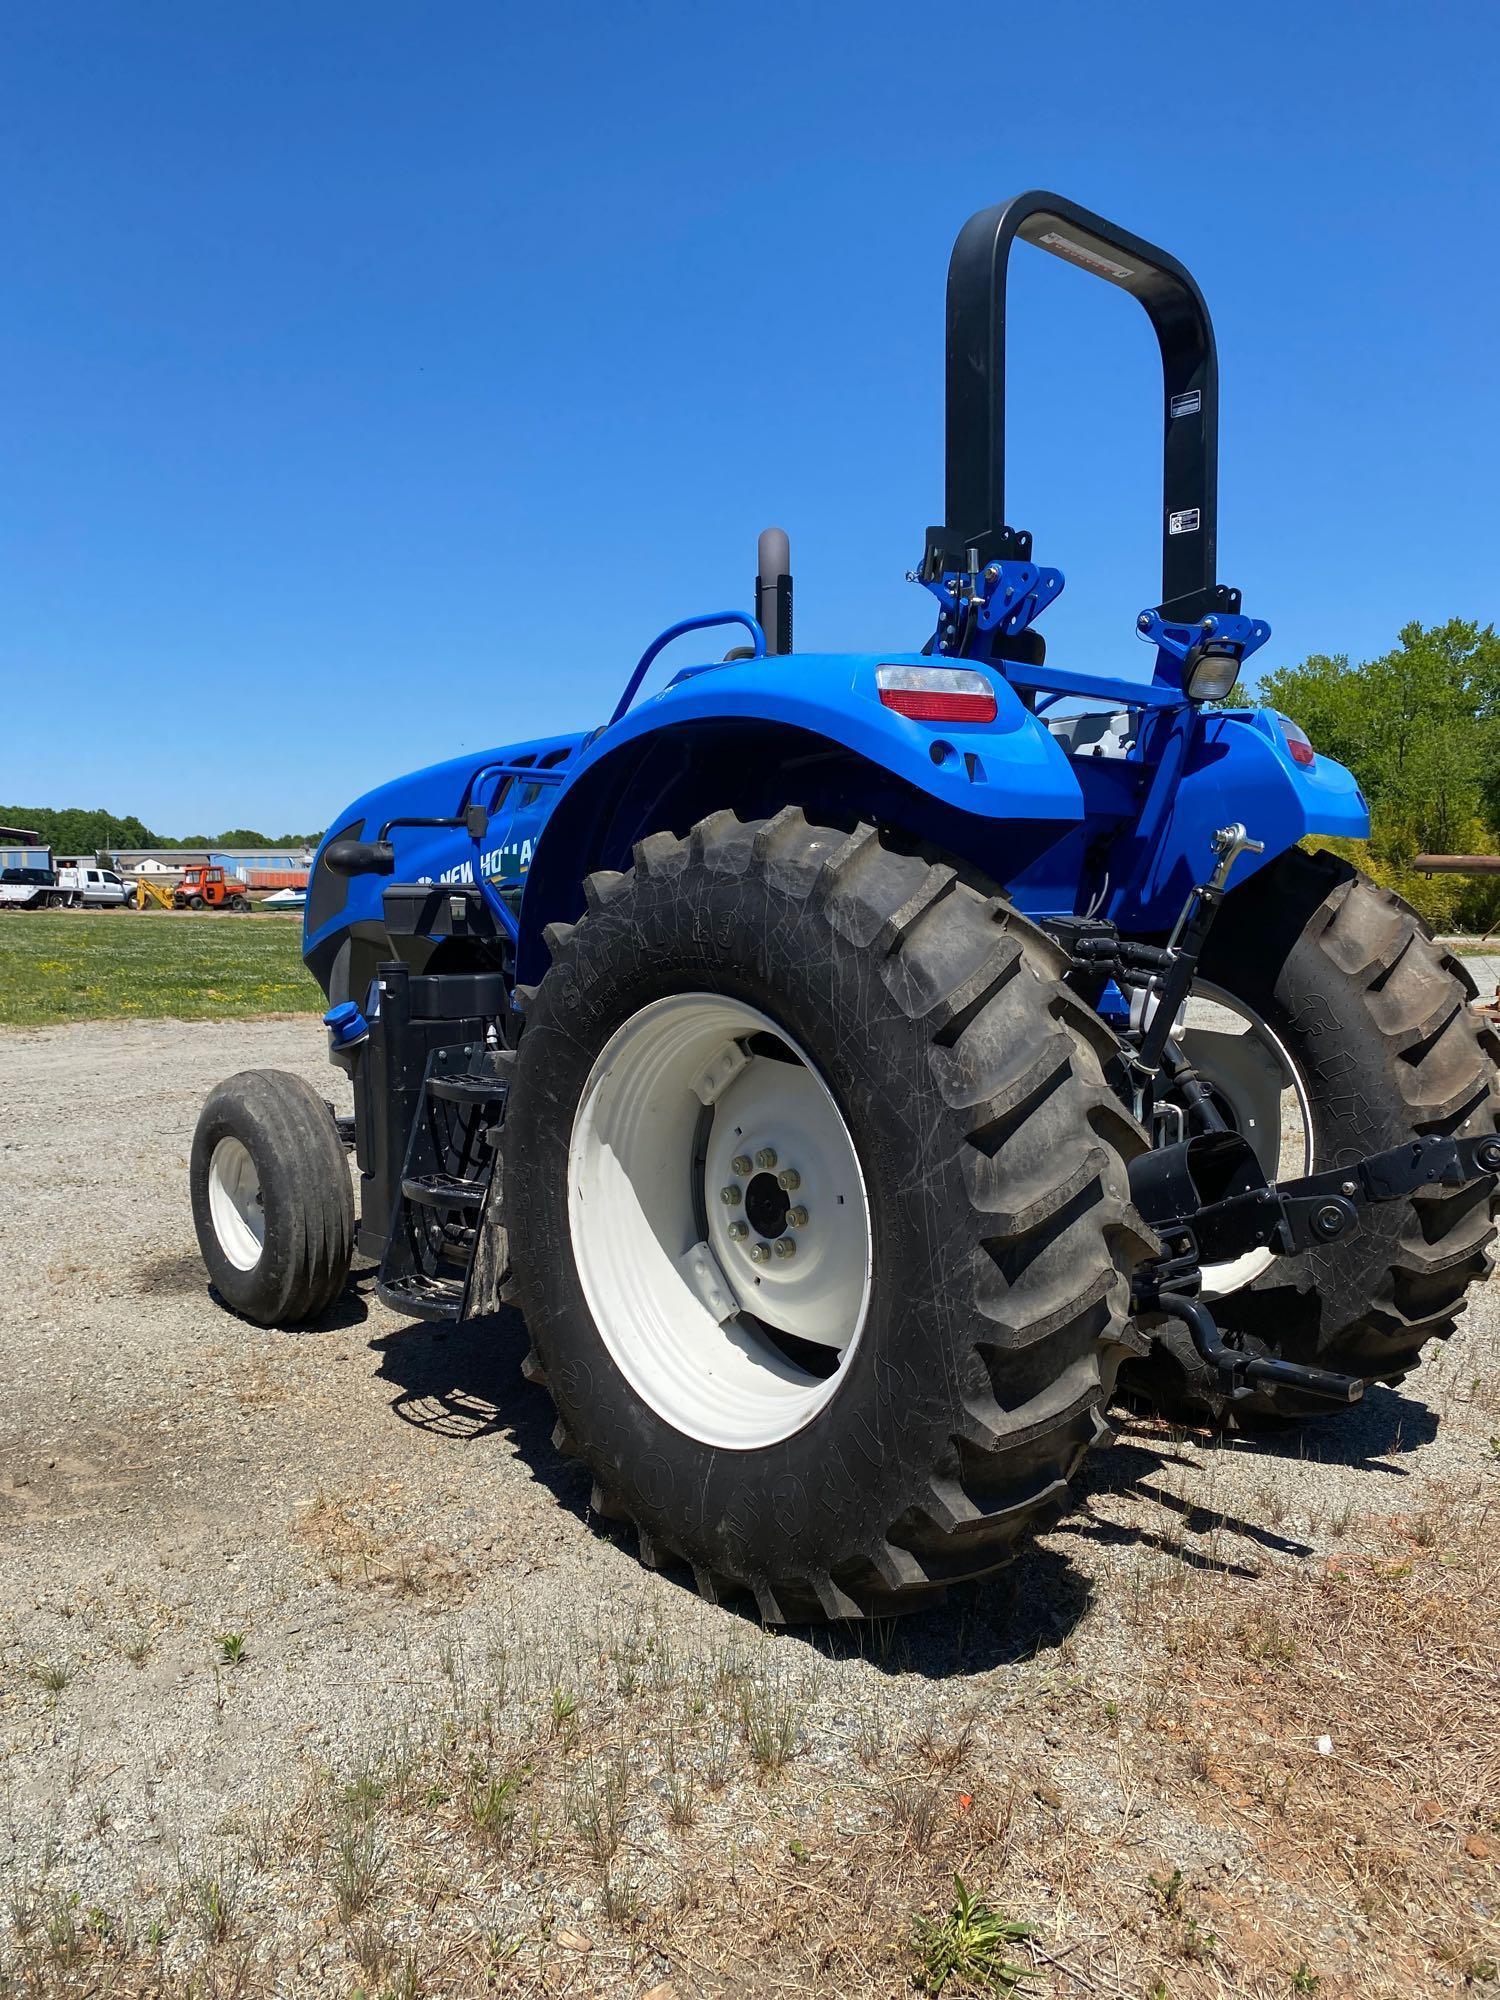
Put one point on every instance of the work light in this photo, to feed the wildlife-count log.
(1212, 675)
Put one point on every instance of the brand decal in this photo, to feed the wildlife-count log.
(514, 858)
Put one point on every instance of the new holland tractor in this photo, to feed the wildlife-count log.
(848, 1064)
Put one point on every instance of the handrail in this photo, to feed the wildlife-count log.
(660, 644)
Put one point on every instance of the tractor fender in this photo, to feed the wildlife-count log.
(795, 728)
(1237, 766)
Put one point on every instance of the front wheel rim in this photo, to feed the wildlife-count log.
(719, 1221)
(235, 1205)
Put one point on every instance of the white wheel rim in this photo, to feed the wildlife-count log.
(234, 1203)
(683, 1297)
(1247, 1066)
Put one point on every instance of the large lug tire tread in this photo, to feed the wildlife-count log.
(305, 1188)
(986, 1380)
(1377, 1017)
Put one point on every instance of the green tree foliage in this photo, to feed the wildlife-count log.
(1420, 729)
(72, 830)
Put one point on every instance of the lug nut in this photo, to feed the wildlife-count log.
(797, 1217)
(740, 1164)
(789, 1179)
(739, 1231)
(785, 1247)
(759, 1253)
(730, 1196)
(766, 1157)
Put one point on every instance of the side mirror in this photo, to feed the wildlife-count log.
(360, 857)
(477, 820)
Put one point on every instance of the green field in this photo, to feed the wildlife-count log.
(114, 965)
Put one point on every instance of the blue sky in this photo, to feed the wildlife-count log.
(379, 380)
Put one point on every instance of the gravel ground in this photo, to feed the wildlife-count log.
(363, 1503)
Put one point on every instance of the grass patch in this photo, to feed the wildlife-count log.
(127, 965)
(968, 1949)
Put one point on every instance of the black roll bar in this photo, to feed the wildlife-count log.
(975, 501)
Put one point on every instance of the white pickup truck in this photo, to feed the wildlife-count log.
(84, 884)
(30, 888)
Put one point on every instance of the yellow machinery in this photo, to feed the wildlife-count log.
(148, 892)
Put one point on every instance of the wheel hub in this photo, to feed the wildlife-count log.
(766, 1205)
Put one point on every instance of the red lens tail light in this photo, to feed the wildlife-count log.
(937, 694)
(1299, 749)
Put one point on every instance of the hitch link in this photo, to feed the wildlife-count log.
(1208, 1197)
(1184, 949)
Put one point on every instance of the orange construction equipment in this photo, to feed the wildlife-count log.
(209, 889)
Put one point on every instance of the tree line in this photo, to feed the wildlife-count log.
(1420, 728)
(76, 830)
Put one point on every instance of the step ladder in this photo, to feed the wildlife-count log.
(428, 1268)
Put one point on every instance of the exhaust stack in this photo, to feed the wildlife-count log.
(773, 589)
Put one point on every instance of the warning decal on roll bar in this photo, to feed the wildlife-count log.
(1184, 522)
(1188, 404)
(1064, 246)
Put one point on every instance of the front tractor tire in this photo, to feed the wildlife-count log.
(819, 1214)
(1373, 1024)
(272, 1200)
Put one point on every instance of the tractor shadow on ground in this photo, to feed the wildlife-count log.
(1138, 1466)
(1384, 1424)
(348, 1310)
(1365, 1436)
(464, 1383)
(184, 1277)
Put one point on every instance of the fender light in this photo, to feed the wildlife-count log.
(1298, 747)
(937, 694)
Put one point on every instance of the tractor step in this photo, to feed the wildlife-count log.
(450, 1159)
(444, 1191)
(422, 1297)
(461, 1089)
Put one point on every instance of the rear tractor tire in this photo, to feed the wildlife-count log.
(819, 1214)
(272, 1200)
(1367, 1024)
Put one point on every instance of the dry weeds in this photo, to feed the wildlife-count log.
(1284, 1781)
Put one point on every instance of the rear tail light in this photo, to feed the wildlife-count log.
(1298, 748)
(937, 694)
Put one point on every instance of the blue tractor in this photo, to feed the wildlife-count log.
(850, 1064)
